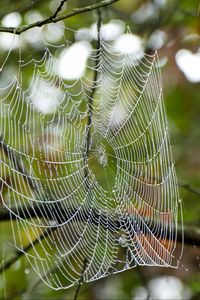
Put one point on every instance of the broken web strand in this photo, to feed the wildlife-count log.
(132, 213)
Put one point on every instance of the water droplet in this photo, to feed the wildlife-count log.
(26, 271)
(122, 241)
(53, 223)
(186, 270)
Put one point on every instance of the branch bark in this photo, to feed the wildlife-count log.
(6, 265)
(16, 162)
(53, 19)
(190, 188)
(191, 233)
(91, 96)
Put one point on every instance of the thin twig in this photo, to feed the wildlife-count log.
(43, 276)
(15, 295)
(190, 13)
(6, 265)
(190, 188)
(80, 281)
(16, 161)
(59, 8)
(91, 96)
(74, 12)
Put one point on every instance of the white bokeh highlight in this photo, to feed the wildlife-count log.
(48, 101)
(12, 20)
(73, 60)
(129, 44)
(189, 64)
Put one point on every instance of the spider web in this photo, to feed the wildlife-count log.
(89, 207)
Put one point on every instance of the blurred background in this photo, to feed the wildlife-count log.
(173, 28)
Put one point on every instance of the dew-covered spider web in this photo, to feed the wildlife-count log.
(86, 165)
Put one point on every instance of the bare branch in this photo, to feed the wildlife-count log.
(13, 259)
(91, 96)
(80, 281)
(74, 12)
(59, 8)
(191, 13)
(190, 188)
(16, 162)
(191, 233)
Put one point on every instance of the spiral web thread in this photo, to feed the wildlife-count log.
(95, 213)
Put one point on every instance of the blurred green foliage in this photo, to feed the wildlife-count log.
(180, 21)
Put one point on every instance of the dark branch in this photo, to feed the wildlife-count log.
(191, 233)
(74, 12)
(91, 96)
(12, 260)
(15, 161)
(58, 10)
(190, 188)
(81, 280)
(191, 13)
